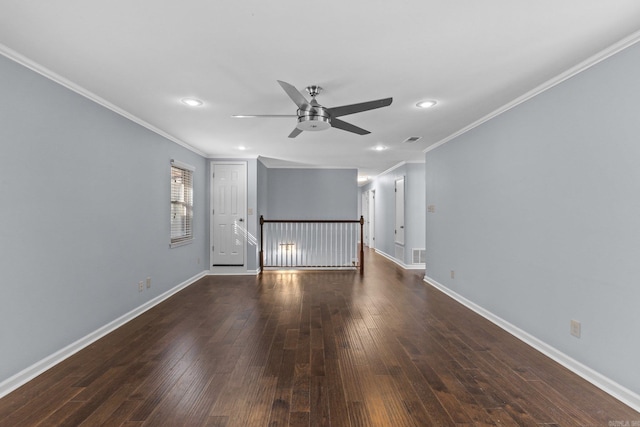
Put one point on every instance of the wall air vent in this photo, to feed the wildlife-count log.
(411, 139)
(419, 256)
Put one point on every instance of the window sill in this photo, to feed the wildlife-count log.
(182, 243)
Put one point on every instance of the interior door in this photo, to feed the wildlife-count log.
(400, 211)
(228, 224)
(372, 219)
(365, 215)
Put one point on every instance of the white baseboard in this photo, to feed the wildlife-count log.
(604, 383)
(399, 263)
(232, 271)
(26, 375)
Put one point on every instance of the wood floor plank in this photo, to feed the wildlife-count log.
(358, 415)
(49, 401)
(121, 414)
(301, 388)
(299, 419)
(333, 386)
(280, 408)
(310, 349)
(217, 422)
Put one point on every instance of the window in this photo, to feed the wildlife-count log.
(181, 203)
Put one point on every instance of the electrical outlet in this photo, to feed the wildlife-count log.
(431, 208)
(148, 282)
(140, 286)
(453, 274)
(575, 328)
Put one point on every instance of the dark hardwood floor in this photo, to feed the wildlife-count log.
(310, 349)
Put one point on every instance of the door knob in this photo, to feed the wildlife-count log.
(240, 220)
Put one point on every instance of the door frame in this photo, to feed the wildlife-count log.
(216, 269)
(364, 208)
(399, 217)
(372, 218)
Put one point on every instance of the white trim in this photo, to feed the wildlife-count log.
(235, 269)
(394, 167)
(181, 165)
(582, 66)
(22, 377)
(232, 271)
(33, 66)
(240, 157)
(399, 263)
(181, 243)
(292, 165)
(609, 386)
(391, 169)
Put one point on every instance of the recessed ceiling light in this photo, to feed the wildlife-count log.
(192, 102)
(426, 104)
(242, 148)
(379, 148)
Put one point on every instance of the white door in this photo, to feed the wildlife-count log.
(365, 215)
(372, 219)
(400, 211)
(228, 221)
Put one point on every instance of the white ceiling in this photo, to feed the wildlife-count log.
(475, 57)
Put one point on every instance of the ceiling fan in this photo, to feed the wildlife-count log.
(313, 116)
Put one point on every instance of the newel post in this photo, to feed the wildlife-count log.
(261, 238)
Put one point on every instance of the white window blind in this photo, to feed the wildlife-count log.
(181, 203)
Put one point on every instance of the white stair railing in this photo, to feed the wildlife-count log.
(311, 244)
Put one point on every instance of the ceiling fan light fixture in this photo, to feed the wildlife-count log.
(192, 102)
(314, 119)
(426, 104)
(311, 116)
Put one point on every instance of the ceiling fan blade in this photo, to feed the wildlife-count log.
(295, 133)
(356, 108)
(337, 123)
(252, 116)
(296, 96)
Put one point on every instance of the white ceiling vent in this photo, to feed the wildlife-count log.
(411, 139)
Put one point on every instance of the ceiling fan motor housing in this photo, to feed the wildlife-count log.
(313, 118)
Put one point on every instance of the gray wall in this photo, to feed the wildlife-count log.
(263, 180)
(385, 210)
(537, 211)
(312, 194)
(415, 202)
(84, 218)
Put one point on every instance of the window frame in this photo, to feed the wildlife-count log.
(181, 196)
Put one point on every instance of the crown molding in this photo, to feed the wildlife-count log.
(45, 72)
(580, 67)
(391, 169)
(223, 157)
